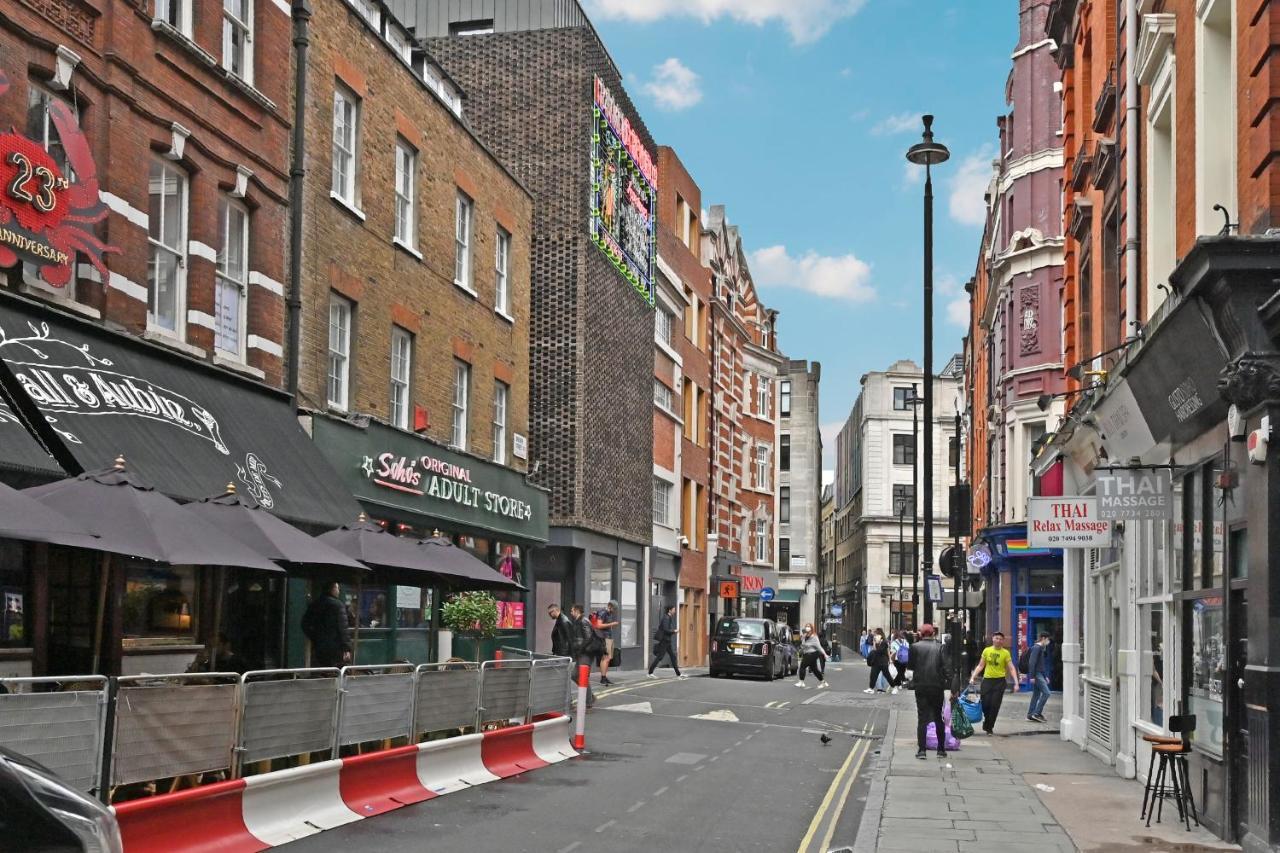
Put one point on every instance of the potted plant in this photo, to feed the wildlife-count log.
(473, 615)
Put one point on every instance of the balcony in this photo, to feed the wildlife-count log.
(1105, 107)
(1081, 218)
(1081, 164)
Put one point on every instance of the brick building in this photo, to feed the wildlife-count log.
(1014, 349)
(745, 369)
(541, 87)
(1178, 615)
(680, 267)
(415, 305)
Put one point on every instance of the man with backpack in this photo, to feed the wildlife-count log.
(899, 651)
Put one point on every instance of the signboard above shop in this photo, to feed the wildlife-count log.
(1067, 522)
(1134, 494)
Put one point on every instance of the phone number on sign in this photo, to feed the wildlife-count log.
(1060, 539)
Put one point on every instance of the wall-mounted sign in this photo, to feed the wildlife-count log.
(1135, 494)
(1174, 377)
(799, 562)
(624, 194)
(933, 588)
(728, 589)
(1070, 522)
(752, 583)
(979, 558)
(519, 446)
(767, 594)
(47, 215)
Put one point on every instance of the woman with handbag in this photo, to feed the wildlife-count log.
(878, 660)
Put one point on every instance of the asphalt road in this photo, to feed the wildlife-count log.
(703, 765)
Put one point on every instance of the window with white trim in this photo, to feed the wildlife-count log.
(399, 41)
(502, 281)
(462, 241)
(1215, 112)
(340, 311)
(369, 10)
(461, 400)
(662, 322)
(237, 38)
(661, 502)
(762, 540)
(175, 13)
(500, 394)
(401, 370)
(764, 391)
(406, 206)
(762, 461)
(231, 286)
(662, 395)
(346, 139)
(167, 237)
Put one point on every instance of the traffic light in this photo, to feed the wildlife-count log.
(951, 561)
(959, 511)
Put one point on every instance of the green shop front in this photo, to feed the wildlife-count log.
(417, 487)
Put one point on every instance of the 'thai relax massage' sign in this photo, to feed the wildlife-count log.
(1071, 522)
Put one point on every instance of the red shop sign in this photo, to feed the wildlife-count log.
(45, 217)
(752, 583)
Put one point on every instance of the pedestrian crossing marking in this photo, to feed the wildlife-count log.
(723, 715)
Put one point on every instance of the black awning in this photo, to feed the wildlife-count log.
(186, 427)
(21, 453)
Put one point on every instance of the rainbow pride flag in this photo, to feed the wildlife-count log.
(1021, 548)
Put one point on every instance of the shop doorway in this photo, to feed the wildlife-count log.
(1238, 752)
(1046, 620)
(546, 593)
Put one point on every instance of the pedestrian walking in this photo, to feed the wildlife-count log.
(878, 660)
(585, 646)
(835, 649)
(1038, 672)
(662, 642)
(812, 655)
(930, 675)
(325, 624)
(561, 632)
(604, 621)
(995, 663)
(864, 643)
(899, 651)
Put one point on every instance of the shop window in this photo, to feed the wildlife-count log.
(629, 581)
(1151, 678)
(15, 623)
(1206, 670)
(159, 602)
(600, 584)
(413, 607)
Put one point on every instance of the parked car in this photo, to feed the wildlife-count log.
(746, 645)
(43, 814)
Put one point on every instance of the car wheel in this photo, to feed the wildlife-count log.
(714, 673)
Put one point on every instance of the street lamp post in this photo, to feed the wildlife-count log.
(902, 514)
(915, 507)
(928, 153)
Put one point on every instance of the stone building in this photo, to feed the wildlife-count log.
(799, 494)
(544, 94)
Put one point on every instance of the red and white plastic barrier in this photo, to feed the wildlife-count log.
(260, 812)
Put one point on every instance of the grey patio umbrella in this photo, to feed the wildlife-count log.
(245, 521)
(24, 517)
(371, 544)
(130, 517)
(460, 568)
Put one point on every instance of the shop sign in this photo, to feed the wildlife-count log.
(799, 562)
(1070, 522)
(46, 217)
(386, 466)
(408, 597)
(1123, 427)
(510, 615)
(1135, 494)
(1175, 378)
(979, 558)
(752, 583)
(728, 589)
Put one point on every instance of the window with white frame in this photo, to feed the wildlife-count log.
(399, 41)
(661, 502)
(662, 395)
(662, 322)
(167, 236)
(231, 290)
(762, 467)
(369, 10)
(764, 391)
(340, 311)
(1215, 112)
(500, 394)
(406, 207)
(461, 400)
(1162, 196)
(175, 13)
(346, 139)
(401, 370)
(462, 241)
(762, 540)
(237, 38)
(502, 281)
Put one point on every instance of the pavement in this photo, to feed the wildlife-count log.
(1022, 789)
(701, 765)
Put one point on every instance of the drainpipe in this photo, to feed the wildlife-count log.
(1132, 213)
(301, 13)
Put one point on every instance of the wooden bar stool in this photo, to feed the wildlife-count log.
(1154, 740)
(1173, 756)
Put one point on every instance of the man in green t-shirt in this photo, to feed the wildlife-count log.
(994, 664)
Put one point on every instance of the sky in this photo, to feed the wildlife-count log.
(796, 115)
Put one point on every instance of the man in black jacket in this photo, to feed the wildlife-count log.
(561, 628)
(584, 646)
(662, 642)
(325, 625)
(931, 675)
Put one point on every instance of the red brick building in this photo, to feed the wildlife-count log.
(188, 124)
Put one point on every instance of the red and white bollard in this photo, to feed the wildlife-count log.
(580, 729)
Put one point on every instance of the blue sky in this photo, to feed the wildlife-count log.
(796, 114)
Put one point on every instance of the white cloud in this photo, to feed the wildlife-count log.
(674, 85)
(912, 175)
(897, 123)
(968, 187)
(846, 72)
(956, 307)
(806, 20)
(838, 277)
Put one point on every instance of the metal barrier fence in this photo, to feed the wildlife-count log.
(101, 733)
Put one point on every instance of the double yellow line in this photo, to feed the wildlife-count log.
(846, 776)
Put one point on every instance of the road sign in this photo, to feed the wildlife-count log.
(767, 594)
(837, 610)
(728, 589)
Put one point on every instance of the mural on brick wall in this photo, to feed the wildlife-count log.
(624, 193)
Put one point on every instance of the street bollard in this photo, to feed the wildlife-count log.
(580, 730)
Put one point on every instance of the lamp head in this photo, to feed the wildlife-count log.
(1043, 401)
(1076, 372)
(927, 152)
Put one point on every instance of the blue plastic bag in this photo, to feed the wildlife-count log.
(972, 706)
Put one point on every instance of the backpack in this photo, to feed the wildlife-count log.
(1024, 660)
(904, 651)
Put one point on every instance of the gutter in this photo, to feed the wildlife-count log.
(1131, 97)
(301, 14)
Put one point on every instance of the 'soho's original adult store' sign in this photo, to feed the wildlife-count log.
(427, 476)
(1071, 522)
